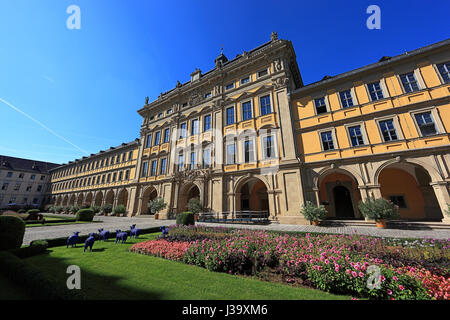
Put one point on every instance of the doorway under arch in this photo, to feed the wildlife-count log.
(252, 196)
(188, 192)
(149, 194)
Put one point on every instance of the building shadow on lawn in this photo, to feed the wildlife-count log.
(94, 285)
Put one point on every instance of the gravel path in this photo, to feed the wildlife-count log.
(124, 223)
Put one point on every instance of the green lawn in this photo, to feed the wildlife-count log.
(111, 272)
(49, 221)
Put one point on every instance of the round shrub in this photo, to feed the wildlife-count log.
(33, 211)
(186, 218)
(106, 208)
(12, 230)
(119, 209)
(85, 215)
(312, 212)
(22, 211)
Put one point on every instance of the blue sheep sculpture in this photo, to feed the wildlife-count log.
(72, 240)
(134, 232)
(103, 234)
(89, 242)
(121, 236)
(164, 230)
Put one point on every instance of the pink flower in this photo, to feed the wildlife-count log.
(394, 278)
(361, 274)
(354, 274)
(389, 292)
(401, 287)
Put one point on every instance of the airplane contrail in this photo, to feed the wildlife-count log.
(42, 125)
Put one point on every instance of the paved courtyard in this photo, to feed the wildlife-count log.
(124, 223)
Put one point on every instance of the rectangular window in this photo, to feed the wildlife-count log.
(356, 136)
(346, 98)
(207, 122)
(154, 167)
(375, 91)
(127, 174)
(183, 130)
(144, 169)
(409, 82)
(245, 80)
(268, 147)
(180, 162)
(120, 176)
(264, 102)
(33, 176)
(114, 177)
(194, 127)
(206, 158)
(229, 86)
(130, 155)
(426, 124)
(9, 174)
(17, 187)
(111, 162)
(246, 110)
(262, 73)
(149, 141)
(327, 140)
(39, 188)
(157, 138)
(388, 130)
(398, 201)
(21, 176)
(320, 105)
(230, 115)
(28, 188)
(208, 95)
(108, 178)
(162, 168)
(249, 151)
(231, 153)
(166, 135)
(444, 70)
(193, 163)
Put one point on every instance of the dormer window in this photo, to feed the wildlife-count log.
(245, 80)
(208, 95)
(229, 86)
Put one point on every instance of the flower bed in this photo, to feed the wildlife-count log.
(344, 264)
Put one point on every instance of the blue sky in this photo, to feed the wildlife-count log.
(65, 92)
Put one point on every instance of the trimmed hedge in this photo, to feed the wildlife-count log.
(35, 248)
(33, 211)
(85, 215)
(40, 285)
(12, 230)
(186, 218)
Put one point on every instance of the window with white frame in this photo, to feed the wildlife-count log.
(262, 73)
(230, 115)
(356, 136)
(229, 86)
(320, 105)
(375, 91)
(193, 161)
(183, 130)
(180, 161)
(327, 140)
(231, 153)
(249, 150)
(409, 82)
(246, 110)
(149, 141)
(444, 71)
(166, 135)
(426, 123)
(245, 80)
(144, 170)
(157, 138)
(265, 106)
(194, 127)
(388, 131)
(268, 147)
(153, 168)
(163, 166)
(206, 123)
(206, 158)
(346, 98)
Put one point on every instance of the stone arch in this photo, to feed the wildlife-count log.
(65, 200)
(432, 171)
(317, 176)
(149, 193)
(122, 197)
(337, 189)
(72, 200)
(109, 197)
(98, 199)
(80, 199)
(88, 199)
(407, 184)
(251, 194)
(188, 191)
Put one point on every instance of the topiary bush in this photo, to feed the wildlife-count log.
(96, 209)
(12, 230)
(85, 215)
(186, 218)
(22, 211)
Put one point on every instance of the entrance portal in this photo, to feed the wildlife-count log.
(343, 202)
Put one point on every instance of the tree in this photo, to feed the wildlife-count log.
(156, 205)
(195, 206)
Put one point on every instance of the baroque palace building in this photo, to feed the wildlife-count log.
(249, 136)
